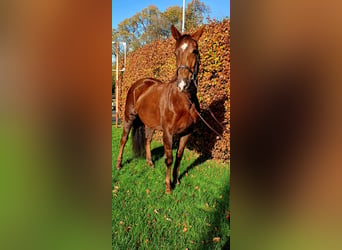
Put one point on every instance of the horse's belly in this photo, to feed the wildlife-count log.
(150, 119)
(150, 115)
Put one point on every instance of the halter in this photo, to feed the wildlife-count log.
(194, 79)
(193, 73)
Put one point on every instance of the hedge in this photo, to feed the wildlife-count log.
(157, 60)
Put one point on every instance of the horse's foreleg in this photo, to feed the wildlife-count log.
(167, 140)
(182, 142)
(148, 135)
(126, 128)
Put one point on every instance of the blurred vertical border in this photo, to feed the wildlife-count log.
(286, 125)
(55, 130)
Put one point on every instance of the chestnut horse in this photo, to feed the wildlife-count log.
(170, 107)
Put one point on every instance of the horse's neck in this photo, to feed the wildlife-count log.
(191, 94)
(173, 79)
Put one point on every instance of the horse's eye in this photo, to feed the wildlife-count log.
(195, 51)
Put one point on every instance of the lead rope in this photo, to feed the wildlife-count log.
(213, 116)
(194, 80)
(205, 122)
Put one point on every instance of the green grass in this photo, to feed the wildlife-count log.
(191, 217)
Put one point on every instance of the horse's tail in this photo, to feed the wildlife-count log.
(138, 137)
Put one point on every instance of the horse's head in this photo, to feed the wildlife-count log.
(187, 57)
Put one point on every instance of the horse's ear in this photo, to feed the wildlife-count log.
(175, 33)
(196, 35)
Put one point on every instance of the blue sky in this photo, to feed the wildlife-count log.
(122, 9)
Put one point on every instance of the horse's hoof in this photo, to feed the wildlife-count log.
(118, 167)
(150, 163)
(168, 189)
(175, 182)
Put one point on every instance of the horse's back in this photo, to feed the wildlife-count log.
(142, 85)
(143, 98)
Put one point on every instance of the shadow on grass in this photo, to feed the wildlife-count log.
(226, 245)
(198, 161)
(128, 161)
(221, 217)
(157, 153)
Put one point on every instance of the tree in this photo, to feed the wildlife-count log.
(151, 24)
(151, 19)
(172, 15)
(194, 14)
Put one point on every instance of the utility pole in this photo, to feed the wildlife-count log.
(117, 77)
(183, 19)
(117, 85)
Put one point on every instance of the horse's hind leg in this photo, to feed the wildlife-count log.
(167, 140)
(182, 142)
(125, 132)
(148, 136)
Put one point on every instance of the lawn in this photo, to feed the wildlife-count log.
(194, 216)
